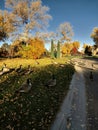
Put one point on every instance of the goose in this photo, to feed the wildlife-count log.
(26, 86)
(29, 70)
(54, 62)
(1, 72)
(92, 66)
(68, 123)
(4, 65)
(18, 70)
(61, 65)
(51, 82)
(91, 76)
(36, 62)
(5, 68)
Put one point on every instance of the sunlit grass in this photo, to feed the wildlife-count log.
(17, 61)
(37, 108)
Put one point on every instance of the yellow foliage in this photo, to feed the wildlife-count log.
(66, 48)
(34, 49)
(1, 21)
(76, 44)
(6, 24)
(84, 45)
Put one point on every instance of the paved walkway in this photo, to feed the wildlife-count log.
(92, 99)
(74, 105)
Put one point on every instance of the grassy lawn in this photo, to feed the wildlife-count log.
(36, 109)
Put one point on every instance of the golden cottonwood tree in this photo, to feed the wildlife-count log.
(7, 25)
(32, 14)
(94, 35)
(25, 16)
(76, 44)
(35, 49)
(15, 47)
(84, 45)
(66, 48)
(65, 31)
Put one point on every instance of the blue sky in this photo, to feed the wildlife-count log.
(81, 14)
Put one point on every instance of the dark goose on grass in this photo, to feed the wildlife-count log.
(28, 70)
(18, 70)
(25, 87)
(1, 72)
(51, 82)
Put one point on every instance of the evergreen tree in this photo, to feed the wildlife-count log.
(58, 49)
(55, 53)
(52, 49)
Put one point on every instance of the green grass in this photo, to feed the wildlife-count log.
(36, 109)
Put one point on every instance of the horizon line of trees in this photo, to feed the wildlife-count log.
(28, 21)
(34, 48)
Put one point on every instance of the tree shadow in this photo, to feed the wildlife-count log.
(91, 58)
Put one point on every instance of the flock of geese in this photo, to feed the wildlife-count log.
(27, 85)
(5, 70)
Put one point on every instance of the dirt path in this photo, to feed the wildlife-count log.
(74, 105)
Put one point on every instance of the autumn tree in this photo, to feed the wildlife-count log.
(66, 48)
(75, 47)
(4, 50)
(84, 45)
(34, 49)
(65, 32)
(7, 25)
(76, 44)
(94, 35)
(88, 50)
(5, 46)
(3, 53)
(94, 50)
(15, 48)
(28, 15)
(46, 36)
(3, 34)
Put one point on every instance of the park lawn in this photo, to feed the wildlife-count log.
(36, 109)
